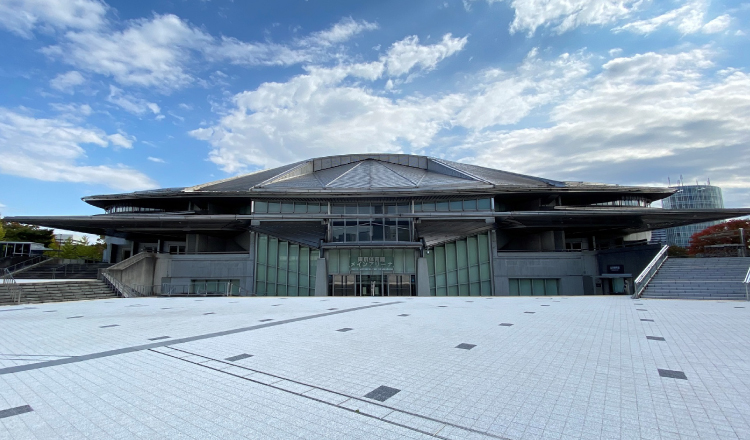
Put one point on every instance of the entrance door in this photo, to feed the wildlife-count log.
(370, 285)
(401, 285)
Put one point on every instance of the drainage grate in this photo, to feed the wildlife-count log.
(545, 305)
(345, 329)
(22, 410)
(166, 308)
(266, 320)
(404, 314)
(655, 338)
(239, 357)
(74, 317)
(209, 313)
(159, 338)
(642, 310)
(466, 346)
(531, 313)
(108, 326)
(382, 393)
(673, 374)
(506, 324)
(647, 320)
(333, 309)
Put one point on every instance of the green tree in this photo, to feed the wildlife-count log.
(20, 232)
(2, 231)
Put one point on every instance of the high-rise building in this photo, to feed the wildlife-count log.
(691, 197)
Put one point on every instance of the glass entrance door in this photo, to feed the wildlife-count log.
(372, 285)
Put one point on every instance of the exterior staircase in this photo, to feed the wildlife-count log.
(33, 293)
(699, 278)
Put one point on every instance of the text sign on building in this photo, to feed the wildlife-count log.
(371, 263)
(615, 268)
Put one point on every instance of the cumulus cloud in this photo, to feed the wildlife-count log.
(160, 52)
(54, 150)
(134, 105)
(66, 82)
(687, 19)
(564, 15)
(326, 111)
(24, 16)
(404, 55)
(643, 117)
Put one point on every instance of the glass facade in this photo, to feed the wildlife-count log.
(370, 229)
(371, 272)
(453, 205)
(285, 207)
(461, 267)
(691, 197)
(215, 287)
(284, 268)
(534, 286)
(117, 209)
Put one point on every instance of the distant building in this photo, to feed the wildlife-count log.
(691, 197)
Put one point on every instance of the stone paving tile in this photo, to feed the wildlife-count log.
(583, 368)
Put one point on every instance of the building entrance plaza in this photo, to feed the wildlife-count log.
(395, 367)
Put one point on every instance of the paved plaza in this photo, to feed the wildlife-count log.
(349, 368)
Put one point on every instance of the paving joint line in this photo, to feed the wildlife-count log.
(349, 397)
(125, 350)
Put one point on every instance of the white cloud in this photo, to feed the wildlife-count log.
(54, 150)
(642, 118)
(687, 19)
(565, 15)
(131, 104)
(148, 52)
(404, 55)
(24, 16)
(506, 97)
(66, 82)
(72, 111)
(717, 25)
(340, 32)
(121, 140)
(156, 159)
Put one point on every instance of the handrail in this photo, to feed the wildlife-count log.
(25, 263)
(123, 289)
(648, 273)
(747, 285)
(13, 289)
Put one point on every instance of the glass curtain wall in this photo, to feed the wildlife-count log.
(284, 268)
(461, 267)
(534, 286)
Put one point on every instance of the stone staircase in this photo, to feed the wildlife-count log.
(33, 293)
(699, 278)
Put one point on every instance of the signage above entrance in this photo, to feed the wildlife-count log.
(370, 263)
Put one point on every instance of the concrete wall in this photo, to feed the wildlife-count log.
(179, 270)
(135, 271)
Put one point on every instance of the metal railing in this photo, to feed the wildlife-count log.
(23, 264)
(747, 285)
(11, 286)
(648, 273)
(123, 289)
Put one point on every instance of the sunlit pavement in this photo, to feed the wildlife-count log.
(455, 368)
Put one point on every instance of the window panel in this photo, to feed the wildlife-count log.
(364, 208)
(300, 208)
(524, 287)
(404, 208)
(439, 259)
(403, 234)
(391, 230)
(450, 254)
(452, 290)
(261, 207)
(486, 288)
(273, 252)
(274, 207)
(304, 260)
(292, 290)
(551, 287)
(441, 291)
(484, 204)
(261, 274)
(350, 208)
(484, 271)
(441, 206)
(377, 208)
(283, 255)
(463, 290)
(452, 277)
(483, 243)
(471, 245)
(313, 208)
(364, 230)
(337, 209)
(461, 253)
(537, 286)
(428, 206)
(470, 205)
(294, 258)
(351, 231)
(262, 249)
(391, 209)
(475, 289)
(463, 276)
(456, 205)
(287, 207)
(377, 229)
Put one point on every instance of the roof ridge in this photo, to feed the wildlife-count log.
(386, 165)
(344, 173)
(465, 173)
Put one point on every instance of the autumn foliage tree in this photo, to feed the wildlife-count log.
(723, 233)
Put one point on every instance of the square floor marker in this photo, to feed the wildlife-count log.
(345, 329)
(466, 346)
(442, 306)
(647, 320)
(642, 310)
(24, 409)
(108, 326)
(506, 324)
(159, 338)
(266, 320)
(74, 317)
(239, 357)
(209, 313)
(655, 338)
(545, 305)
(739, 307)
(382, 393)
(672, 374)
(405, 314)
(49, 311)
(333, 309)
(166, 308)
(531, 313)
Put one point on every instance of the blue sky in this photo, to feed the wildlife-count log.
(127, 95)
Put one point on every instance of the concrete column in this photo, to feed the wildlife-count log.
(423, 277)
(321, 278)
